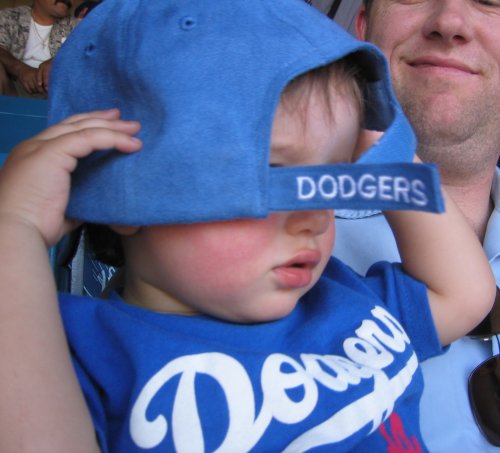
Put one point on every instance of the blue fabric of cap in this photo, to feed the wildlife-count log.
(204, 78)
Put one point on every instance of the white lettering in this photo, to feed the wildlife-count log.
(402, 189)
(367, 186)
(334, 372)
(386, 188)
(361, 351)
(186, 427)
(275, 383)
(373, 408)
(305, 182)
(367, 354)
(399, 337)
(324, 182)
(418, 189)
(347, 186)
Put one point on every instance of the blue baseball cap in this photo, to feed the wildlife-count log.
(204, 78)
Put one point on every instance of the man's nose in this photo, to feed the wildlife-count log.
(449, 21)
(309, 222)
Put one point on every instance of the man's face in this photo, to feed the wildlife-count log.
(445, 64)
(54, 8)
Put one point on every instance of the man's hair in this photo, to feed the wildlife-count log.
(342, 77)
(368, 4)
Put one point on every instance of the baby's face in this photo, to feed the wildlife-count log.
(248, 270)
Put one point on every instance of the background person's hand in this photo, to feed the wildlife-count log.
(42, 76)
(27, 77)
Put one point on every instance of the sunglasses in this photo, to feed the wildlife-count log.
(484, 381)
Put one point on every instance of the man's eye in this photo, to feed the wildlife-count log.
(489, 2)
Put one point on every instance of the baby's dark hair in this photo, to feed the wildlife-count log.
(343, 76)
(368, 4)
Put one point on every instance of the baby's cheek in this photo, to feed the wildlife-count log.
(236, 254)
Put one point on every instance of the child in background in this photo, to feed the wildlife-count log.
(234, 330)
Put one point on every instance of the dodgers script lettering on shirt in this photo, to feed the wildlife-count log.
(367, 354)
(367, 186)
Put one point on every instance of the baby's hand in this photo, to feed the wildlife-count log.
(35, 179)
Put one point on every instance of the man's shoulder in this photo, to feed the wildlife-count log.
(16, 12)
(14, 29)
(60, 31)
(68, 22)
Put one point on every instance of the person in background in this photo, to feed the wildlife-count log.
(444, 57)
(30, 37)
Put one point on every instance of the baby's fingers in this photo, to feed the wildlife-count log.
(103, 120)
(103, 114)
(78, 139)
(35, 180)
(79, 143)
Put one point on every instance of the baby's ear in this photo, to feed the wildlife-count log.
(124, 230)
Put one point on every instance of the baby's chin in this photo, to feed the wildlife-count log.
(272, 311)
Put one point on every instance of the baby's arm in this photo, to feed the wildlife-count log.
(443, 252)
(42, 407)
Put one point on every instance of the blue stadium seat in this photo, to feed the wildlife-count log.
(20, 119)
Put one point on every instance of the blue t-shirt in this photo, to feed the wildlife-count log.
(337, 374)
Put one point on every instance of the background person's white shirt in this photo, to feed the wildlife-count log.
(37, 47)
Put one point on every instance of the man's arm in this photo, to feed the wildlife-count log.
(443, 252)
(26, 75)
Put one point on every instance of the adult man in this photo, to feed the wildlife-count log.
(29, 38)
(445, 65)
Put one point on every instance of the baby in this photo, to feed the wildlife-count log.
(234, 329)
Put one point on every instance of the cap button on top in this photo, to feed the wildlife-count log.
(89, 49)
(187, 23)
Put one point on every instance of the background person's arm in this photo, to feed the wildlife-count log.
(26, 75)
